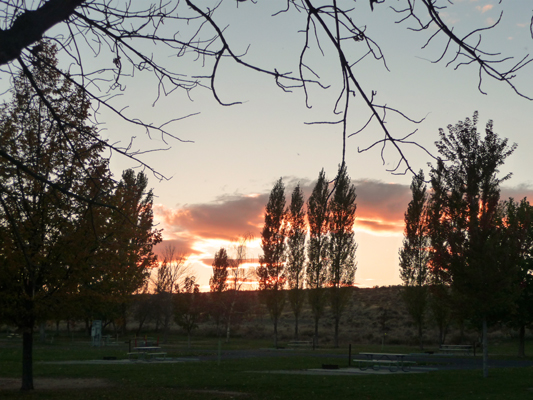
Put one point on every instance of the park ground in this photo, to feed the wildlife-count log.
(67, 368)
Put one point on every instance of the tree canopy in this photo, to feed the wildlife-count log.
(58, 245)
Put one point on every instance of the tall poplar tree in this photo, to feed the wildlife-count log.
(317, 249)
(415, 254)
(296, 233)
(218, 285)
(271, 271)
(342, 246)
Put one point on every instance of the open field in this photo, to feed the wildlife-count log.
(245, 372)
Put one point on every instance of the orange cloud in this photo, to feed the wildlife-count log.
(226, 218)
(380, 208)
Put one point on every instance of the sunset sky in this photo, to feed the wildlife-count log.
(220, 181)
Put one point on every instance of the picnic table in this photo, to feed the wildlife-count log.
(146, 353)
(393, 361)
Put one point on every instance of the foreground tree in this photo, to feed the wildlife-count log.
(317, 249)
(271, 271)
(519, 240)
(296, 233)
(116, 33)
(54, 244)
(414, 255)
(342, 246)
(482, 278)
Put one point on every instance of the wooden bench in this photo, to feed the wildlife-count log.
(393, 365)
(300, 343)
(465, 349)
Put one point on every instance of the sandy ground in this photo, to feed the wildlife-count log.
(50, 383)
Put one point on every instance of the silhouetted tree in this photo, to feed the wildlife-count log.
(481, 276)
(296, 233)
(189, 308)
(342, 246)
(55, 245)
(238, 276)
(271, 271)
(317, 249)
(415, 254)
(218, 285)
(519, 241)
(167, 282)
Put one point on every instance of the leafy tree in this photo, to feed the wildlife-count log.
(519, 240)
(440, 300)
(125, 253)
(189, 309)
(296, 233)
(482, 278)
(342, 246)
(167, 281)
(218, 285)
(238, 276)
(49, 238)
(271, 271)
(414, 255)
(317, 249)
(64, 248)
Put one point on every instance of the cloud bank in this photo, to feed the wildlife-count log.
(380, 208)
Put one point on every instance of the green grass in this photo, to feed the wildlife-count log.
(208, 380)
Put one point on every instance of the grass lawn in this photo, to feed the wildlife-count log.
(248, 378)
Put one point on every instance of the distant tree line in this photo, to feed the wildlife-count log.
(467, 254)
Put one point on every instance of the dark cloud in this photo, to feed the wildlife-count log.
(226, 218)
(385, 202)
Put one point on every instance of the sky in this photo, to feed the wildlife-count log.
(219, 181)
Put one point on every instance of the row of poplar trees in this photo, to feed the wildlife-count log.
(466, 253)
(312, 248)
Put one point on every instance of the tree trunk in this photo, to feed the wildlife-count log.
(295, 326)
(27, 359)
(485, 349)
(315, 337)
(275, 332)
(42, 332)
(228, 327)
(336, 339)
(522, 341)
(228, 320)
(420, 340)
